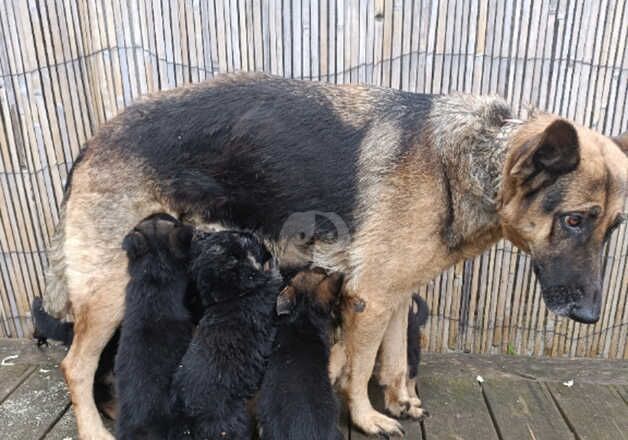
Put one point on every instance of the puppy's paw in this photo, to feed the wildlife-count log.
(375, 423)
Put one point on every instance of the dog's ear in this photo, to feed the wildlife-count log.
(180, 239)
(135, 245)
(622, 142)
(285, 301)
(553, 152)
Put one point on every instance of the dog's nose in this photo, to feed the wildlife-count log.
(588, 309)
(584, 315)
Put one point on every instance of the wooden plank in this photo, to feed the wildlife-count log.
(457, 409)
(26, 352)
(65, 428)
(11, 376)
(623, 392)
(591, 371)
(524, 409)
(32, 409)
(594, 412)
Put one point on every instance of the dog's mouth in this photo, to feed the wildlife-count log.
(572, 302)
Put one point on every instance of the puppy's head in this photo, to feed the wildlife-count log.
(325, 291)
(229, 264)
(161, 237)
(563, 193)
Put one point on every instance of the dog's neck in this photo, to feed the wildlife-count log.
(472, 136)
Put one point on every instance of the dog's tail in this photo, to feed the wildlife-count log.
(46, 326)
(56, 297)
(417, 317)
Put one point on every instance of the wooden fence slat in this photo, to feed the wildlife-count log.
(68, 66)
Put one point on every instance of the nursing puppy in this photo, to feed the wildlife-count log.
(296, 400)
(238, 285)
(157, 326)
(48, 327)
(417, 317)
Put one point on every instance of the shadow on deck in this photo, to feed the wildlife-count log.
(520, 398)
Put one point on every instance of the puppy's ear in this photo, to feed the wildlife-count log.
(553, 152)
(135, 245)
(333, 283)
(285, 301)
(180, 239)
(329, 291)
(622, 142)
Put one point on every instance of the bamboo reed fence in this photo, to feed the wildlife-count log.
(68, 65)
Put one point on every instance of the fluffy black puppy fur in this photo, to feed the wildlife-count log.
(226, 359)
(417, 317)
(296, 400)
(157, 326)
(48, 327)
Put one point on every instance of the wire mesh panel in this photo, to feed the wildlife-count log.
(66, 66)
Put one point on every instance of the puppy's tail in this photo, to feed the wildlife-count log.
(47, 326)
(420, 310)
(417, 317)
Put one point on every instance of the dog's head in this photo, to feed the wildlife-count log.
(563, 193)
(160, 236)
(228, 264)
(322, 289)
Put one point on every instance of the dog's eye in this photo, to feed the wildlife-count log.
(573, 221)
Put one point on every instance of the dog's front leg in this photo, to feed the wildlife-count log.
(394, 365)
(363, 334)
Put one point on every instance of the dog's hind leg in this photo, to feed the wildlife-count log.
(96, 278)
(95, 323)
(394, 365)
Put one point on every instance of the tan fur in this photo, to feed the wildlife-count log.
(387, 266)
(96, 278)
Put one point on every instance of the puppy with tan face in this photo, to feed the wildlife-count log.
(296, 400)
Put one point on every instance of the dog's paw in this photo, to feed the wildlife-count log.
(415, 401)
(400, 408)
(101, 434)
(375, 423)
(397, 408)
(415, 411)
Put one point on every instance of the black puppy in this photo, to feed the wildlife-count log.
(238, 285)
(296, 400)
(157, 326)
(417, 317)
(48, 327)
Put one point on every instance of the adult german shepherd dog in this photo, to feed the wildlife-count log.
(417, 182)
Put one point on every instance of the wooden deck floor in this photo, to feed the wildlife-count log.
(520, 398)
